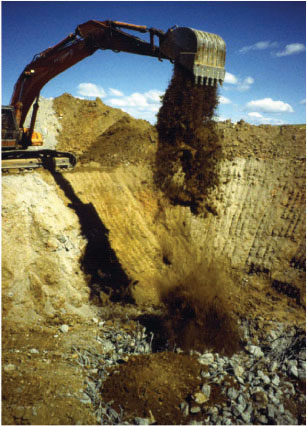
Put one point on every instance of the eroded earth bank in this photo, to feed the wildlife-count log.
(130, 298)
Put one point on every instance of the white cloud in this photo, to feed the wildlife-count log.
(230, 78)
(91, 90)
(246, 84)
(255, 114)
(257, 118)
(292, 49)
(240, 84)
(260, 45)
(224, 101)
(269, 105)
(115, 92)
(139, 105)
(303, 102)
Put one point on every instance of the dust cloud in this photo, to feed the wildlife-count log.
(199, 310)
(197, 300)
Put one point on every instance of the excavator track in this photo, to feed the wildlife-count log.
(21, 160)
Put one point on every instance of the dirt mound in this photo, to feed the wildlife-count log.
(82, 121)
(244, 140)
(155, 383)
(127, 141)
(188, 148)
(104, 135)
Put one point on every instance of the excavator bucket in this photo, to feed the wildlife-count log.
(201, 53)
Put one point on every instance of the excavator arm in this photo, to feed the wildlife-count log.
(202, 53)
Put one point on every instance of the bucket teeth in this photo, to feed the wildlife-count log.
(201, 53)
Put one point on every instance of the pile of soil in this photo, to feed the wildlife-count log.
(155, 383)
(188, 147)
(106, 136)
(126, 141)
(82, 121)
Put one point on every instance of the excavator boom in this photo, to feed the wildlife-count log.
(203, 54)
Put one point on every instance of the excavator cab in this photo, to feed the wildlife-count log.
(10, 133)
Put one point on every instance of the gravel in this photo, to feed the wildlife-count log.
(255, 383)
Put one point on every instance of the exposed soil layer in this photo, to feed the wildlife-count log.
(80, 237)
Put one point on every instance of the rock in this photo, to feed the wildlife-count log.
(260, 397)
(213, 411)
(250, 377)
(85, 399)
(206, 359)
(276, 380)
(289, 388)
(246, 417)
(141, 421)
(264, 377)
(262, 419)
(64, 328)
(206, 390)
(205, 374)
(271, 410)
(108, 346)
(8, 368)
(238, 409)
(200, 398)
(254, 350)
(34, 351)
(232, 394)
(218, 379)
(273, 366)
(273, 335)
(292, 371)
(241, 400)
(185, 409)
(238, 371)
(289, 419)
(195, 409)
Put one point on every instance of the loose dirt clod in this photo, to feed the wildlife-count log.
(188, 147)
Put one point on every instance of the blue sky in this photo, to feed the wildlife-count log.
(265, 61)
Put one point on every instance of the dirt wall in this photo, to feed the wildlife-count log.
(256, 225)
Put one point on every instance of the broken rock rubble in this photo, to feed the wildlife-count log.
(253, 389)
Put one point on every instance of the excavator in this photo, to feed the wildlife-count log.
(203, 54)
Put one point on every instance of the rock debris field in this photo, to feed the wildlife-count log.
(142, 289)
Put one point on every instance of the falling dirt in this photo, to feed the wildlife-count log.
(200, 311)
(188, 146)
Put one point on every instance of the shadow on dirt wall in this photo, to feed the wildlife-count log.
(99, 261)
